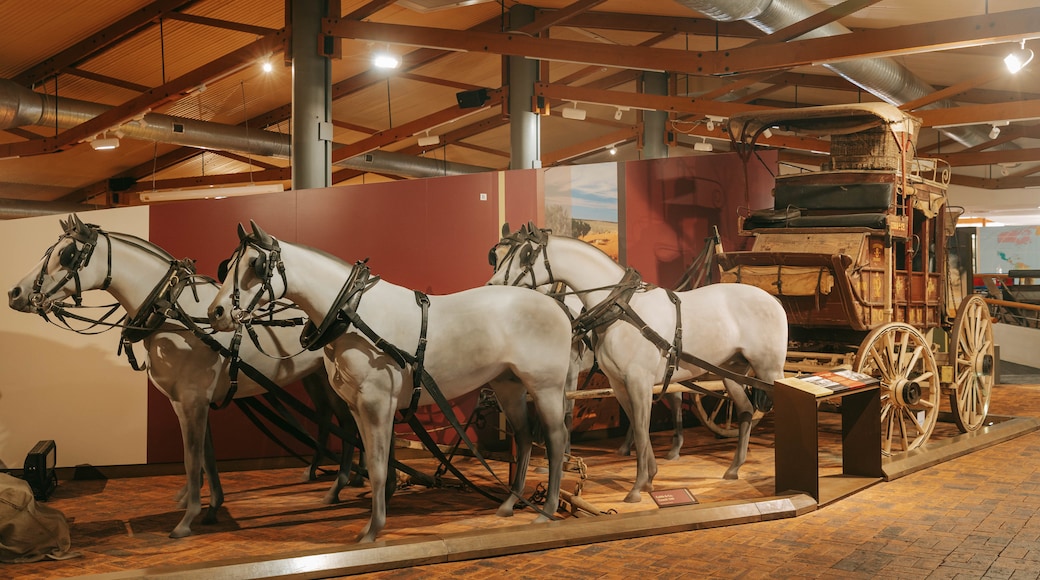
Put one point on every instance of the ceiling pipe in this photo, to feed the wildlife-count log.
(883, 77)
(11, 209)
(21, 107)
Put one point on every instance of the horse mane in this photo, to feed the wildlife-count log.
(136, 240)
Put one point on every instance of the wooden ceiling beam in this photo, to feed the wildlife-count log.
(619, 136)
(546, 20)
(107, 80)
(908, 39)
(642, 100)
(406, 130)
(990, 157)
(658, 24)
(95, 43)
(980, 114)
(883, 42)
(815, 21)
(951, 91)
(369, 9)
(989, 183)
(222, 24)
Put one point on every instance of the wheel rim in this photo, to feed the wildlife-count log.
(719, 415)
(900, 356)
(973, 364)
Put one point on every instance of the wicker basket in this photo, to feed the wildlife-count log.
(874, 149)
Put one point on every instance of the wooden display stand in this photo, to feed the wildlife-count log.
(797, 434)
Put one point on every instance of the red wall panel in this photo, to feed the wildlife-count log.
(671, 204)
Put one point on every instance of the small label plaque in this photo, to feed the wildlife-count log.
(672, 497)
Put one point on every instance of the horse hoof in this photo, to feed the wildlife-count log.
(504, 512)
(180, 532)
(633, 497)
(541, 518)
(730, 475)
(672, 455)
(308, 476)
(330, 499)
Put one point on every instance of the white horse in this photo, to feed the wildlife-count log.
(179, 363)
(718, 322)
(516, 340)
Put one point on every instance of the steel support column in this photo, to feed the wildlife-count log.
(524, 125)
(311, 98)
(654, 146)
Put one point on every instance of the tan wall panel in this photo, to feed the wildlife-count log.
(56, 384)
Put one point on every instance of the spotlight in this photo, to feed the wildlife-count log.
(574, 113)
(428, 140)
(386, 61)
(767, 133)
(994, 132)
(617, 115)
(710, 125)
(1018, 58)
(714, 120)
(703, 145)
(105, 144)
(266, 67)
(472, 99)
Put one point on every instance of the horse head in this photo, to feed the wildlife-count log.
(64, 270)
(519, 252)
(260, 254)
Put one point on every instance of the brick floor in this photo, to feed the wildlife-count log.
(971, 517)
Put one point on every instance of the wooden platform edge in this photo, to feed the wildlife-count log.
(403, 553)
(1003, 428)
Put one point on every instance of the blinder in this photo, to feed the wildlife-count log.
(67, 257)
(261, 267)
(493, 257)
(222, 270)
(526, 255)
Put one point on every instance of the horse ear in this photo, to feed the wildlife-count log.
(78, 223)
(64, 224)
(260, 234)
(242, 233)
(531, 227)
(505, 229)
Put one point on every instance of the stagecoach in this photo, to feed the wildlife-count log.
(856, 252)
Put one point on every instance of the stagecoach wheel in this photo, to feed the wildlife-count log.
(719, 415)
(972, 363)
(901, 357)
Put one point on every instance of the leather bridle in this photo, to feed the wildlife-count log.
(73, 257)
(523, 248)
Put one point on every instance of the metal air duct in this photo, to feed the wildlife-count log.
(882, 77)
(11, 209)
(20, 107)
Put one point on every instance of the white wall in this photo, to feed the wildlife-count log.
(56, 384)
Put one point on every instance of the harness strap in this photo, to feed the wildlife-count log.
(420, 355)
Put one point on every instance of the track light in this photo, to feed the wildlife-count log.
(703, 145)
(210, 192)
(712, 121)
(105, 144)
(386, 60)
(428, 140)
(767, 134)
(1018, 58)
(994, 132)
(620, 112)
(574, 113)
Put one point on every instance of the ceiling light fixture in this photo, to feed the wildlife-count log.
(428, 140)
(386, 60)
(266, 67)
(712, 121)
(1018, 58)
(767, 134)
(210, 192)
(574, 112)
(105, 143)
(994, 132)
(703, 145)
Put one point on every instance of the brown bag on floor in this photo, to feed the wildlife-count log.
(29, 531)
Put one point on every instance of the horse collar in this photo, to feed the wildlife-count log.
(338, 318)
